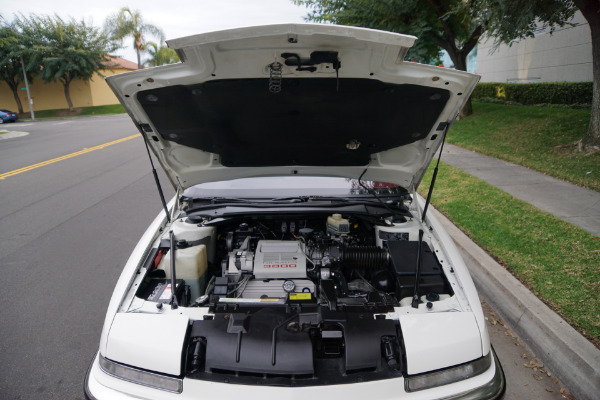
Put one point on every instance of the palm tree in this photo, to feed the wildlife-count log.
(160, 55)
(129, 22)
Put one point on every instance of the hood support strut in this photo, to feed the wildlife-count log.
(173, 300)
(156, 180)
(415, 300)
(435, 171)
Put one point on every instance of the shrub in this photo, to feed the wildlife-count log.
(536, 93)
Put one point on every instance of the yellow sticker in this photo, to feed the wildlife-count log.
(300, 296)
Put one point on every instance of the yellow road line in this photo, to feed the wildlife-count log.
(77, 153)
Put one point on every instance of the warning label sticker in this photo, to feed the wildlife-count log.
(166, 295)
(300, 296)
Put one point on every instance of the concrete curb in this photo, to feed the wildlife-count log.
(569, 355)
(13, 134)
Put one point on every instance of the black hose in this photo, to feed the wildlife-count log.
(370, 257)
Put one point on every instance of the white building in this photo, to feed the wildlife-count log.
(565, 55)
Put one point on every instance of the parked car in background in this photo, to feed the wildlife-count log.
(296, 259)
(8, 116)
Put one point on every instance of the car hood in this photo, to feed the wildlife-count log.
(294, 99)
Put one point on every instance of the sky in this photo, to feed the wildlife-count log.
(177, 19)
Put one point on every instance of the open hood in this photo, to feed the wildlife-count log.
(294, 99)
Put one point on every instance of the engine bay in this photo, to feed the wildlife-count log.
(334, 260)
(302, 300)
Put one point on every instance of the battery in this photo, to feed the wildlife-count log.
(159, 290)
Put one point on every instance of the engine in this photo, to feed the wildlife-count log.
(279, 259)
(272, 260)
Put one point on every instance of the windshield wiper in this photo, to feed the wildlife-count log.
(219, 200)
(222, 200)
(292, 199)
(371, 208)
(332, 198)
(208, 203)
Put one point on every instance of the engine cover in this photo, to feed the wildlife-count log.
(257, 288)
(276, 259)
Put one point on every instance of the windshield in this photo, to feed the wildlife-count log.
(278, 187)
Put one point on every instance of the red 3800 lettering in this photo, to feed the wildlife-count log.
(280, 266)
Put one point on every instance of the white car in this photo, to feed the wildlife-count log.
(296, 260)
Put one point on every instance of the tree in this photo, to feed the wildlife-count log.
(129, 22)
(11, 53)
(161, 55)
(452, 25)
(522, 19)
(591, 11)
(64, 51)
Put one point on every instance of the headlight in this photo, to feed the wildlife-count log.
(141, 377)
(447, 375)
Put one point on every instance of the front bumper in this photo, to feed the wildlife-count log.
(488, 386)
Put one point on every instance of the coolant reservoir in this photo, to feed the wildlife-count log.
(195, 235)
(190, 265)
(408, 230)
(337, 225)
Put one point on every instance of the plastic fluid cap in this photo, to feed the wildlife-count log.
(337, 225)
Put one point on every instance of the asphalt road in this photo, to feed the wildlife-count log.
(68, 227)
(67, 230)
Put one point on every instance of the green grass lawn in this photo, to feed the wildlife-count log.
(537, 138)
(77, 112)
(558, 261)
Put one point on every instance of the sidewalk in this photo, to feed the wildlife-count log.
(571, 203)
